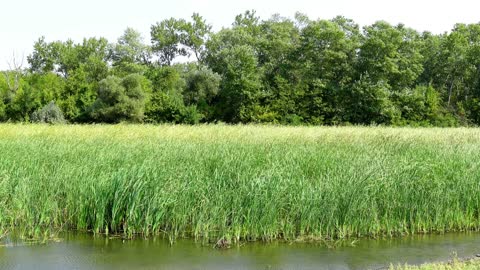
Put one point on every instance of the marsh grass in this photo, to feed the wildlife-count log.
(239, 182)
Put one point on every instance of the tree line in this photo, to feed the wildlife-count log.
(279, 70)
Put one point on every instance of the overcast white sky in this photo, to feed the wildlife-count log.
(24, 21)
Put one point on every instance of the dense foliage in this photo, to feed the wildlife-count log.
(239, 182)
(280, 70)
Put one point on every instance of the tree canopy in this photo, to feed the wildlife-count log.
(277, 70)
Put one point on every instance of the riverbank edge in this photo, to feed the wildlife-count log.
(468, 262)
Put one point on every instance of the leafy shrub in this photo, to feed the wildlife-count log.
(191, 115)
(119, 100)
(50, 114)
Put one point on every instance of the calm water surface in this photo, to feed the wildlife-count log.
(82, 251)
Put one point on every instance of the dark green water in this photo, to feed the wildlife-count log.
(82, 251)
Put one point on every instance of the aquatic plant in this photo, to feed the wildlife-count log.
(239, 182)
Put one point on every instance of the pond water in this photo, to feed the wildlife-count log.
(83, 251)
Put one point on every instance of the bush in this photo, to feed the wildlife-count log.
(191, 115)
(119, 100)
(50, 114)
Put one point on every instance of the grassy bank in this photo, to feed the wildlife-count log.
(454, 265)
(241, 182)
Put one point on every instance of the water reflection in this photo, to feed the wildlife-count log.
(80, 251)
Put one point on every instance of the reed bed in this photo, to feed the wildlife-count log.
(239, 182)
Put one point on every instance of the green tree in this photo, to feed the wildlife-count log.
(275, 47)
(202, 86)
(78, 96)
(279, 70)
(66, 57)
(326, 57)
(167, 37)
(82, 65)
(368, 102)
(166, 101)
(44, 57)
(119, 100)
(25, 101)
(391, 54)
(452, 66)
(196, 34)
(241, 86)
(35, 91)
(130, 54)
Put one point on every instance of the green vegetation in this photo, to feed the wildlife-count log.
(455, 265)
(50, 114)
(294, 71)
(239, 182)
